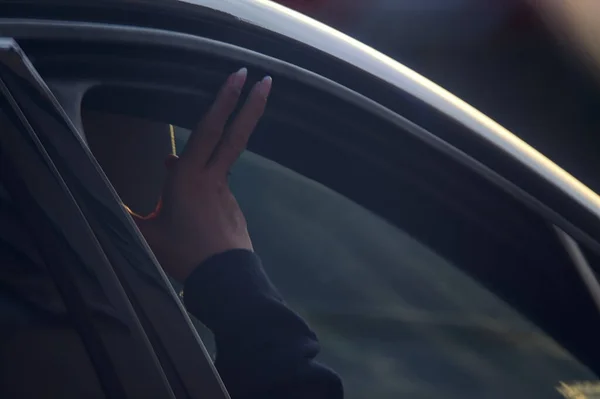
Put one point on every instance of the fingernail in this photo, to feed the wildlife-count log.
(239, 78)
(264, 86)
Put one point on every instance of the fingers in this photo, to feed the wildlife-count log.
(242, 127)
(207, 134)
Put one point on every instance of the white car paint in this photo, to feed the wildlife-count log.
(284, 21)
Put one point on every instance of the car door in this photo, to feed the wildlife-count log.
(423, 274)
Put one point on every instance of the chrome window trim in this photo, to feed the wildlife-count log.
(581, 265)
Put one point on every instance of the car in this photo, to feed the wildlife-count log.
(434, 252)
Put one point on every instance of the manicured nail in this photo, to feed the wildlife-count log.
(239, 78)
(264, 86)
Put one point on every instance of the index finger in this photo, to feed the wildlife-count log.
(205, 138)
(242, 126)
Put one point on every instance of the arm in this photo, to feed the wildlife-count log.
(264, 349)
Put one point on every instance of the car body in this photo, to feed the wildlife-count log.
(434, 252)
(529, 65)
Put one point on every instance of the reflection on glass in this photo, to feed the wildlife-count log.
(394, 318)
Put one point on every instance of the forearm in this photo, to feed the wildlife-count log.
(264, 349)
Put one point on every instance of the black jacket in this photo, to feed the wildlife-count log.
(264, 349)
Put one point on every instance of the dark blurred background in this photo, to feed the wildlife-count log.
(530, 65)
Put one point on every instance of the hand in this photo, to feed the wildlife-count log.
(198, 216)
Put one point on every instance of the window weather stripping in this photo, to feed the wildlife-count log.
(581, 265)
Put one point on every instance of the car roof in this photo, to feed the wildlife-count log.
(294, 25)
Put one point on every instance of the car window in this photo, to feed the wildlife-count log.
(394, 317)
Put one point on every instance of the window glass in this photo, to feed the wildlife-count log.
(395, 319)
(41, 353)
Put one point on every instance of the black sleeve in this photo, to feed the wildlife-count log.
(264, 349)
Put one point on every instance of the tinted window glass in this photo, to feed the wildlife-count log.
(41, 353)
(395, 319)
